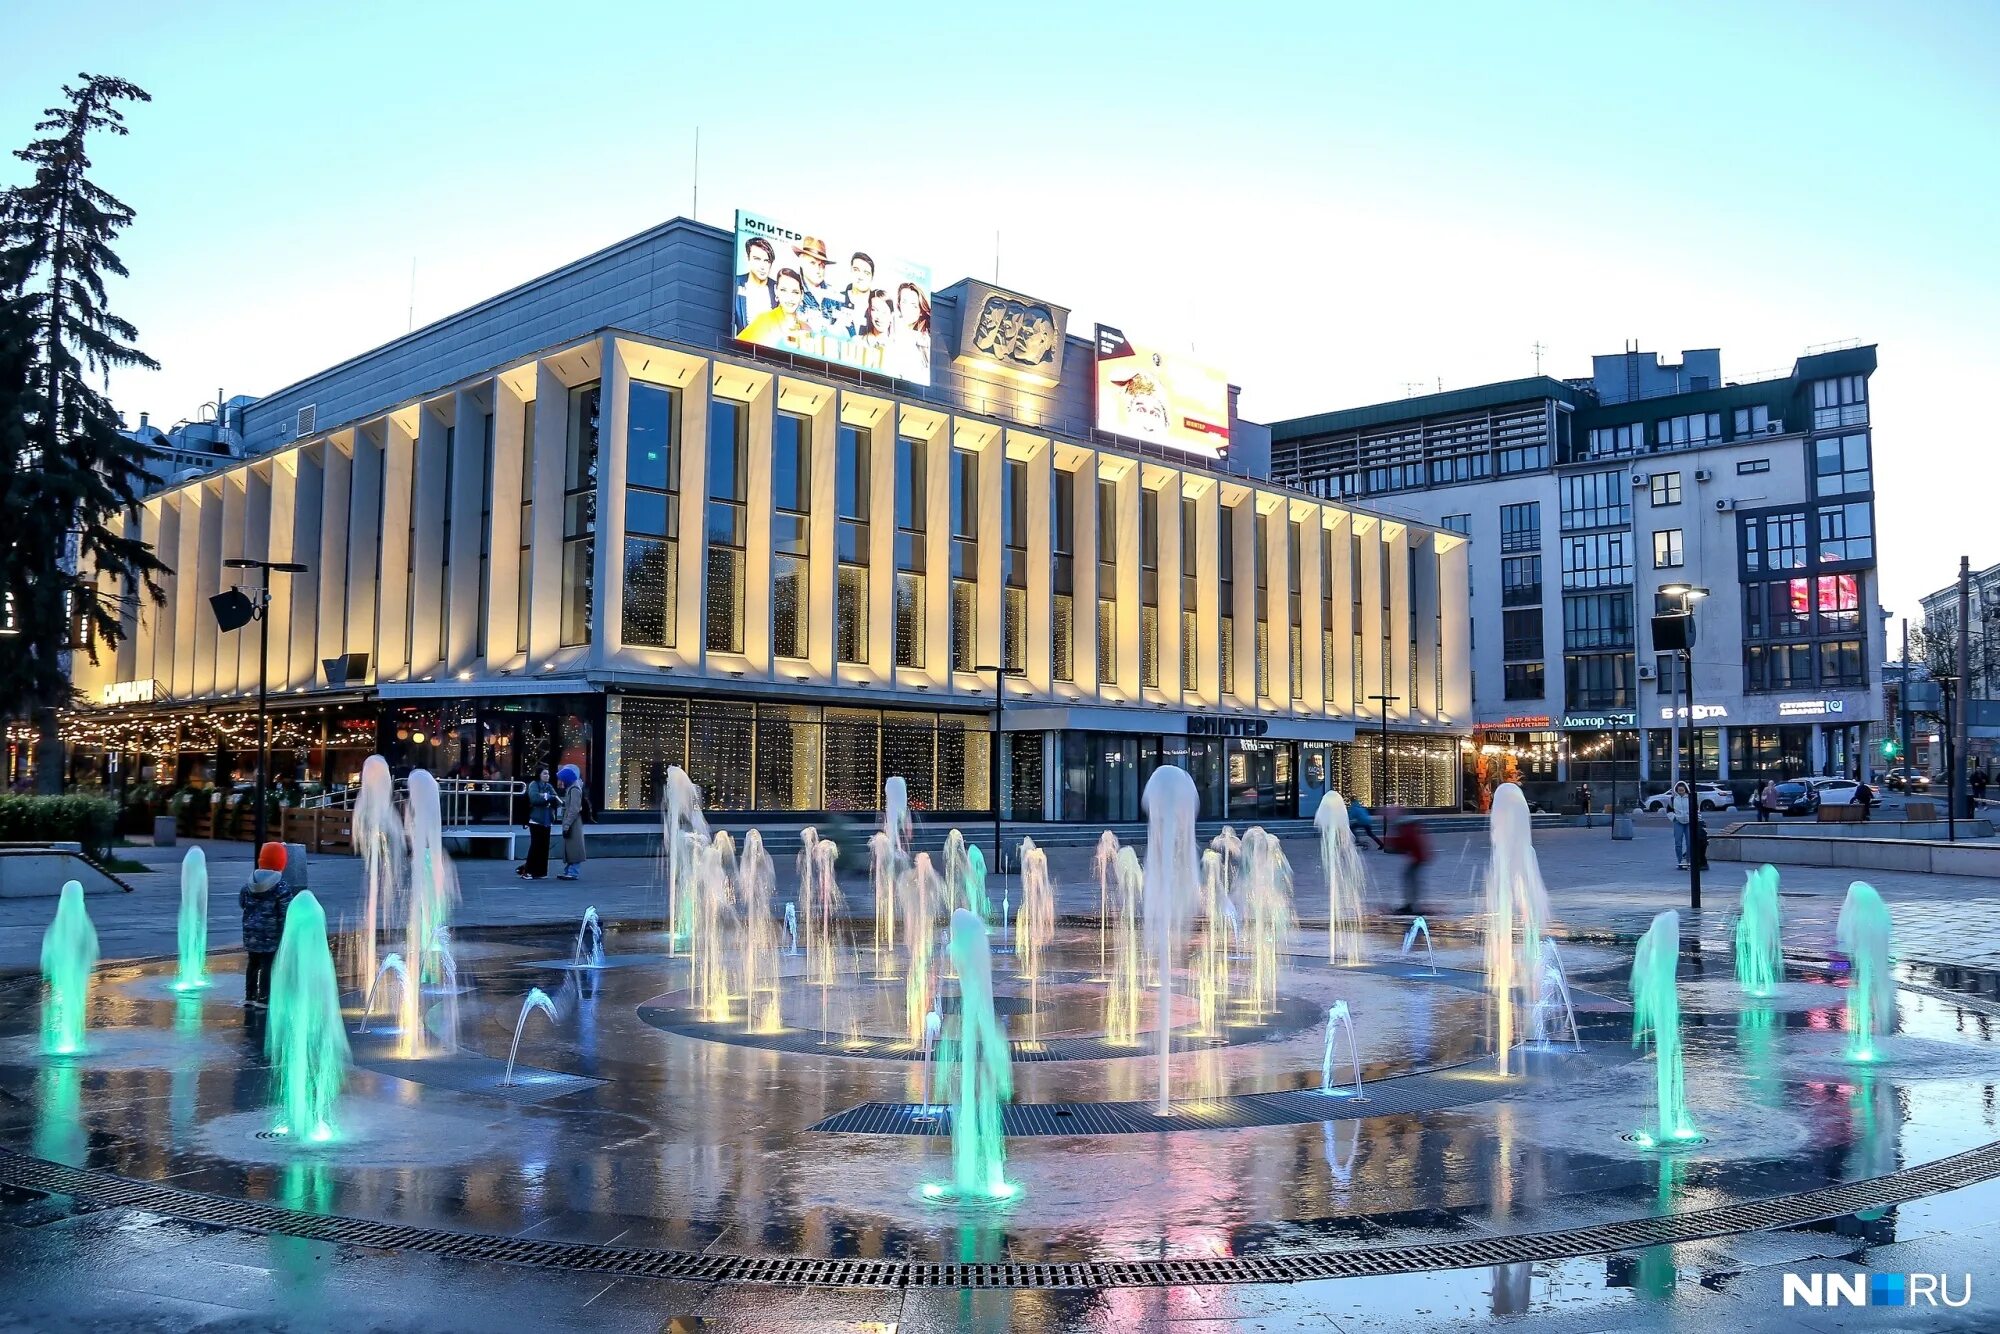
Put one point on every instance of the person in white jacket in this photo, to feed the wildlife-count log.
(1682, 811)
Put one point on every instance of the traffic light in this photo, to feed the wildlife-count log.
(1890, 749)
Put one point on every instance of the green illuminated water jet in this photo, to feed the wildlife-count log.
(1656, 1010)
(69, 954)
(305, 1041)
(1863, 935)
(1760, 958)
(978, 1070)
(193, 974)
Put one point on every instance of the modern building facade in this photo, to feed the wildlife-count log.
(1584, 499)
(1982, 667)
(580, 523)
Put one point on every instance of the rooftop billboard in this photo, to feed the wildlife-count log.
(846, 303)
(1164, 397)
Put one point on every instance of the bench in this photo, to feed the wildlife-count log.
(1852, 812)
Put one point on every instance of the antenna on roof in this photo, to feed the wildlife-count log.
(1539, 349)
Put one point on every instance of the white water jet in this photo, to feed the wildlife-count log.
(536, 999)
(933, 1025)
(1555, 988)
(954, 872)
(595, 931)
(1420, 927)
(756, 883)
(683, 828)
(391, 965)
(885, 870)
(1104, 866)
(1173, 874)
(382, 845)
(193, 925)
(1517, 912)
(1339, 1021)
(1265, 883)
(822, 905)
(792, 929)
(433, 892)
(1341, 862)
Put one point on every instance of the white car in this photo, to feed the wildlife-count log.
(1833, 791)
(1712, 796)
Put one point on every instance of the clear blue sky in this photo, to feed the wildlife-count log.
(1327, 201)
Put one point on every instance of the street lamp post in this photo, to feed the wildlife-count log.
(1385, 701)
(232, 612)
(1689, 594)
(1000, 675)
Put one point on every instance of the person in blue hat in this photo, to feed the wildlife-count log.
(575, 809)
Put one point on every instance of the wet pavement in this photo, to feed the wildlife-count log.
(665, 1137)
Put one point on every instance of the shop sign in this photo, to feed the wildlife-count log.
(1521, 723)
(1702, 712)
(1593, 721)
(1810, 708)
(1207, 725)
(131, 692)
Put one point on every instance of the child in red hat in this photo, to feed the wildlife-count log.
(263, 901)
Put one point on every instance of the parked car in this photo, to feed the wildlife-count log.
(1712, 796)
(1904, 779)
(1833, 791)
(1797, 798)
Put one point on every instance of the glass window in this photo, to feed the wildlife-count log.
(1748, 467)
(1841, 665)
(1521, 633)
(728, 452)
(1775, 542)
(1688, 432)
(652, 515)
(1840, 401)
(1597, 620)
(1524, 680)
(1062, 538)
(1667, 552)
(1595, 500)
(1752, 421)
(525, 580)
(964, 487)
(1014, 562)
(1840, 465)
(791, 463)
(1846, 533)
(580, 515)
(1520, 528)
(1457, 523)
(1615, 441)
(1666, 488)
(1597, 560)
(1520, 580)
(910, 550)
(852, 447)
(1598, 681)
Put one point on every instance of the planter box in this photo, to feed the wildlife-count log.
(166, 831)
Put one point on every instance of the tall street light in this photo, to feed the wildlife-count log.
(1681, 629)
(233, 611)
(1000, 675)
(1385, 701)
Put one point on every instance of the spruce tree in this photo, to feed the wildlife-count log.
(68, 477)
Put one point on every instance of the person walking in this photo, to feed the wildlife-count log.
(263, 903)
(1680, 810)
(1767, 801)
(1403, 833)
(1980, 782)
(574, 810)
(1361, 825)
(541, 812)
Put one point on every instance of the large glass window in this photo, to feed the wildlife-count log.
(1666, 489)
(524, 581)
(1699, 428)
(1840, 401)
(1596, 500)
(1752, 421)
(1520, 581)
(1149, 587)
(852, 448)
(1062, 537)
(652, 514)
(1840, 465)
(964, 560)
(1775, 542)
(1520, 527)
(580, 516)
(1225, 564)
(1598, 681)
(791, 535)
(1597, 560)
(1667, 549)
(1014, 559)
(1521, 633)
(728, 461)
(910, 550)
(1190, 594)
(1615, 441)
(1107, 582)
(1523, 680)
(1597, 620)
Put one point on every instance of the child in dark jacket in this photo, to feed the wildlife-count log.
(263, 901)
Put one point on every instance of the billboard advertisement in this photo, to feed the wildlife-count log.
(1018, 336)
(836, 299)
(1164, 397)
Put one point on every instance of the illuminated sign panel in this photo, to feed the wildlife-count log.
(1160, 396)
(796, 291)
(1018, 336)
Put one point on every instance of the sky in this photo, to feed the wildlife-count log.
(1334, 203)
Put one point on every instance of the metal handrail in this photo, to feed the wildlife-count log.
(455, 796)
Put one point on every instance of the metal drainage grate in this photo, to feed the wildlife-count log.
(104, 1188)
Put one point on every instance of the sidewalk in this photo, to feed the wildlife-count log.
(1596, 885)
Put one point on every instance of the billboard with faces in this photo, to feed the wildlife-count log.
(1165, 397)
(1018, 336)
(836, 299)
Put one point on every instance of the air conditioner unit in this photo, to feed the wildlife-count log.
(1641, 480)
(1724, 506)
(1774, 428)
(1703, 475)
(1648, 673)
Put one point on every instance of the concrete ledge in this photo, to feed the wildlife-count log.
(1903, 829)
(29, 873)
(1869, 854)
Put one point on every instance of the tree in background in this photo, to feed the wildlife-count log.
(67, 476)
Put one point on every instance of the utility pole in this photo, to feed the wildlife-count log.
(1539, 349)
(1964, 656)
(1903, 707)
(1382, 797)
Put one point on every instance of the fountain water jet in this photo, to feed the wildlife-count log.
(1338, 1020)
(1128, 970)
(954, 872)
(1420, 927)
(821, 898)
(536, 999)
(1265, 882)
(1173, 870)
(756, 882)
(681, 820)
(1555, 988)
(193, 926)
(921, 894)
(391, 963)
(1656, 1011)
(1862, 933)
(792, 929)
(594, 930)
(975, 884)
(69, 957)
(1760, 957)
(380, 841)
(884, 873)
(978, 1069)
(933, 1025)
(306, 1043)
(433, 882)
(1212, 961)
(1341, 861)
(1517, 910)
(714, 894)
(1035, 928)
(1230, 849)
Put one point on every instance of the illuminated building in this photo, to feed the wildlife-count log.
(579, 522)
(1583, 499)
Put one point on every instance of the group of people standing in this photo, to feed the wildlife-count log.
(562, 805)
